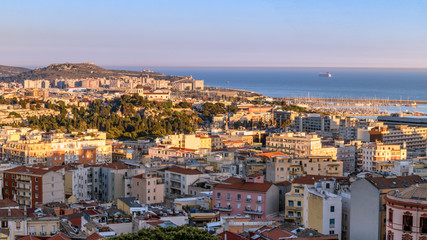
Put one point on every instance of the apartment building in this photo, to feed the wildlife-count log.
(368, 204)
(322, 210)
(148, 188)
(252, 196)
(375, 155)
(114, 180)
(78, 181)
(326, 126)
(294, 207)
(406, 213)
(284, 168)
(411, 138)
(178, 180)
(295, 144)
(32, 185)
(57, 149)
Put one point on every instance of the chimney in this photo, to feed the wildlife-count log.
(9, 212)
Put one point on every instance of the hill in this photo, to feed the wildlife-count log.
(7, 71)
(79, 71)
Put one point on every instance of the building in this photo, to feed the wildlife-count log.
(374, 155)
(407, 213)
(326, 126)
(78, 180)
(13, 223)
(411, 138)
(322, 209)
(32, 185)
(148, 188)
(251, 196)
(178, 180)
(294, 207)
(283, 168)
(367, 206)
(295, 144)
(131, 205)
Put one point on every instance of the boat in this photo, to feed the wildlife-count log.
(414, 104)
(327, 74)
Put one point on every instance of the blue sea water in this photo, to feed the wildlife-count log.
(293, 82)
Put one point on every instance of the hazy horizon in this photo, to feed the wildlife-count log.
(191, 33)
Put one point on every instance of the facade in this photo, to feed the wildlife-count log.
(78, 182)
(178, 180)
(31, 186)
(327, 126)
(284, 168)
(252, 196)
(367, 206)
(148, 188)
(411, 138)
(13, 221)
(376, 154)
(322, 210)
(295, 144)
(406, 213)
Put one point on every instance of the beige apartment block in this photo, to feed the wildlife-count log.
(148, 188)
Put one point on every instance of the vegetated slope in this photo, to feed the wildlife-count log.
(7, 71)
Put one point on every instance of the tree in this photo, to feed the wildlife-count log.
(170, 233)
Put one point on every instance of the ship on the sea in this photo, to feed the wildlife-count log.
(327, 74)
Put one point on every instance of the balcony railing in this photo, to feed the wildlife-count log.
(248, 199)
(224, 209)
(259, 201)
(252, 211)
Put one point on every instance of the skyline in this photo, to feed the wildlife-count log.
(384, 34)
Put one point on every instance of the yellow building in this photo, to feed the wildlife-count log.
(295, 144)
(284, 168)
(294, 206)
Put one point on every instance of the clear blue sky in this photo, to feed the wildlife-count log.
(332, 33)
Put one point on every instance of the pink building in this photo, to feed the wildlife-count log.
(148, 188)
(253, 196)
(407, 213)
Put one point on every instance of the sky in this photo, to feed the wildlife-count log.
(302, 33)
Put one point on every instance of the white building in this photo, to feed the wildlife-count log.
(179, 179)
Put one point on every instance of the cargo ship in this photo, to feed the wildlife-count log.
(325, 74)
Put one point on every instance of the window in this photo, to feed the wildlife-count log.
(154, 198)
(290, 203)
(296, 190)
(332, 232)
(36, 179)
(18, 225)
(228, 196)
(390, 215)
(407, 222)
(423, 225)
(332, 208)
(148, 190)
(37, 187)
(154, 190)
(148, 182)
(6, 175)
(6, 183)
(238, 205)
(239, 197)
(299, 203)
(13, 176)
(218, 195)
(43, 231)
(290, 214)
(53, 229)
(32, 230)
(259, 200)
(37, 195)
(332, 222)
(148, 198)
(248, 198)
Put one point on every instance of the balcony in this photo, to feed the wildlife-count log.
(26, 189)
(23, 180)
(248, 199)
(254, 212)
(224, 209)
(259, 201)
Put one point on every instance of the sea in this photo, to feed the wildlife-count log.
(364, 83)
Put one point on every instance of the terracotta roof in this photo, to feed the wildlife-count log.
(311, 179)
(59, 236)
(56, 168)
(14, 213)
(277, 234)
(241, 184)
(28, 170)
(117, 166)
(418, 192)
(226, 235)
(29, 238)
(94, 236)
(284, 183)
(256, 175)
(270, 154)
(184, 171)
(6, 203)
(394, 182)
(93, 212)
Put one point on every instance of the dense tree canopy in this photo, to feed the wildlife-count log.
(170, 233)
